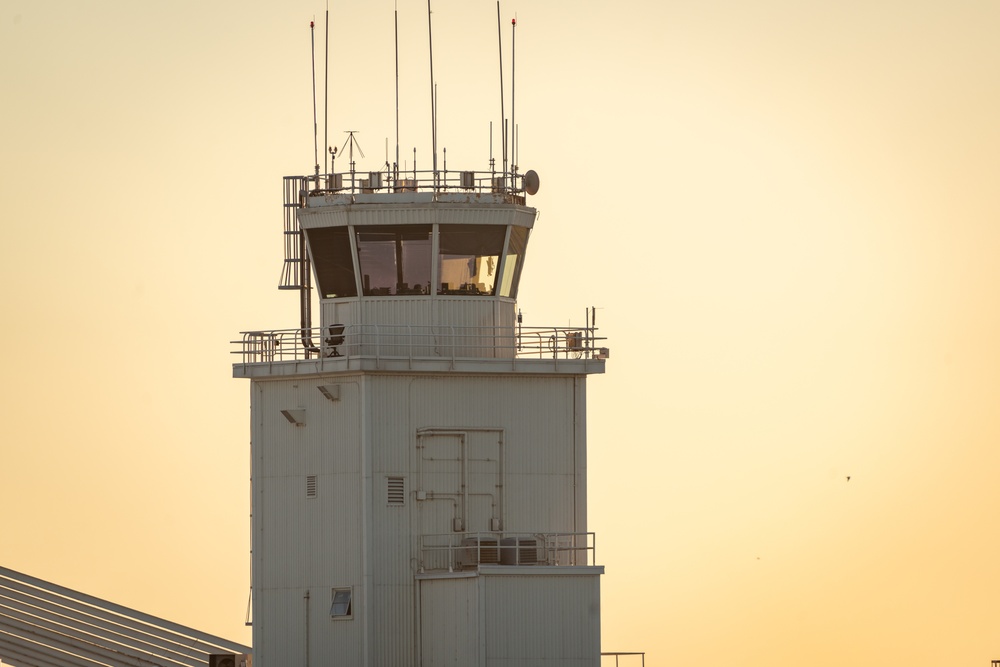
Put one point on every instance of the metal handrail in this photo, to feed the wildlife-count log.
(457, 551)
(617, 654)
(420, 342)
(397, 181)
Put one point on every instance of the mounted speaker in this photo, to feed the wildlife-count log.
(530, 182)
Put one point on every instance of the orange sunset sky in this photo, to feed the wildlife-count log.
(786, 214)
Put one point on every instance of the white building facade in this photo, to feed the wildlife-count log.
(419, 458)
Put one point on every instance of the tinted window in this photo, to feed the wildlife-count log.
(332, 261)
(468, 259)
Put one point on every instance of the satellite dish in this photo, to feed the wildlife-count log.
(530, 182)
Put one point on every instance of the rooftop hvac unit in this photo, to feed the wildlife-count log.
(335, 182)
(519, 551)
(230, 660)
(479, 551)
(468, 180)
(406, 185)
(375, 180)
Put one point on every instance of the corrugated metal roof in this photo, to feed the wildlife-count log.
(45, 625)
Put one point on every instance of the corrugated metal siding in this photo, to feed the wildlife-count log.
(539, 621)
(392, 642)
(352, 446)
(450, 622)
(543, 619)
(537, 415)
(442, 326)
(302, 543)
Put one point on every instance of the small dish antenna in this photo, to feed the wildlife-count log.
(530, 182)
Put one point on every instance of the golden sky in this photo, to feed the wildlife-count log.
(785, 212)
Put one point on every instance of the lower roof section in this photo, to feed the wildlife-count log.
(46, 625)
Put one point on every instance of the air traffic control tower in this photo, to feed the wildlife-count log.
(419, 459)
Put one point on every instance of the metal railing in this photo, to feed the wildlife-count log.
(420, 342)
(389, 180)
(466, 551)
(617, 654)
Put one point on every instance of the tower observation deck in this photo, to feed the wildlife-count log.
(419, 456)
(425, 270)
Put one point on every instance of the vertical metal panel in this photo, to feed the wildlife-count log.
(392, 641)
(449, 622)
(302, 543)
(542, 620)
(539, 451)
(392, 625)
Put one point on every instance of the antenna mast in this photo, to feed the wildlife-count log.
(395, 171)
(430, 42)
(503, 119)
(513, 125)
(312, 35)
(326, 90)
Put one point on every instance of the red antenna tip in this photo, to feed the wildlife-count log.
(513, 21)
(312, 24)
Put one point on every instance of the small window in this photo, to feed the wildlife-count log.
(396, 491)
(341, 606)
(310, 486)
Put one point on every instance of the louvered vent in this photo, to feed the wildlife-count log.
(397, 495)
(310, 486)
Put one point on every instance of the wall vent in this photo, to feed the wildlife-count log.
(396, 491)
(310, 486)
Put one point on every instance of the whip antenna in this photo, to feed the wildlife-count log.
(312, 35)
(513, 125)
(430, 43)
(326, 90)
(395, 171)
(503, 119)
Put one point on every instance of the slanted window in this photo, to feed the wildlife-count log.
(394, 260)
(330, 248)
(468, 258)
(341, 606)
(514, 261)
